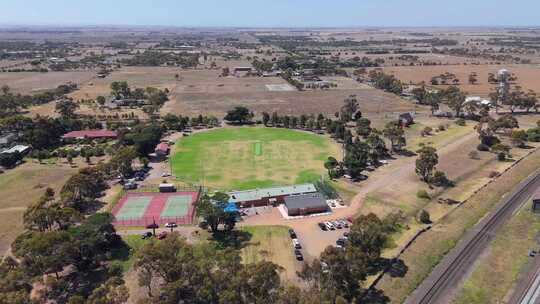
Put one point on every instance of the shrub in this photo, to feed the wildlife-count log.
(461, 122)
(493, 174)
(423, 194)
(439, 179)
(533, 134)
(482, 147)
(423, 217)
(426, 131)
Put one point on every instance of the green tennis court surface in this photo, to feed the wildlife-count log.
(134, 207)
(258, 149)
(176, 206)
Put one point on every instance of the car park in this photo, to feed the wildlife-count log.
(298, 254)
(292, 234)
(296, 244)
(322, 226)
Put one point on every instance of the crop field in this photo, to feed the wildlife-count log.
(527, 75)
(250, 157)
(32, 82)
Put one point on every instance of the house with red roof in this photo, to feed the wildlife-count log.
(93, 134)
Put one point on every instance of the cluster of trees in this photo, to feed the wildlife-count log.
(388, 83)
(154, 97)
(239, 115)
(69, 254)
(173, 271)
(519, 99)
(144, 137)
(154, 58)
(488, 128)
(212, 210)
(426, 165)
(43, 132)
(179, 122)
(12, 103)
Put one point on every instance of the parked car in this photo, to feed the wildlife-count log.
(152, 226)
(298, 254)
(341, 242)
(162, 235)
(346, 235)
(296, 244)
(322, 226)
(344, 223)
(292, 234)
(330, 226)
(337, 224)
(171, 225)
(165, 174)
(146, 235)
(532, 253)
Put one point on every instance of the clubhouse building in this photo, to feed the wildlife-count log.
(294, 200)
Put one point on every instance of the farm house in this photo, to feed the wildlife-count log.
(305, 204)
(268, 196)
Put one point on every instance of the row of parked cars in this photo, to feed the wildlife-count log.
(296, 245)
(334, 224)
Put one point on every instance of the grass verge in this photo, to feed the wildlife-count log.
(431, 246)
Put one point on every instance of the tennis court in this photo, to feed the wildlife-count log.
(143, 208)
(176, 206)
(134, 207)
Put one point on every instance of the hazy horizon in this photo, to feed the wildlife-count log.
(272, 14)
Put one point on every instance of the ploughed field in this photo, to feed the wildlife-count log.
(250, 157)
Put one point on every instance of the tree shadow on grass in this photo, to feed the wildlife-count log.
(236, 239)
(374, 296)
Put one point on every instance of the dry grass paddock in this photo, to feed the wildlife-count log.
(21, 187)
(527, 75)
(33, 82)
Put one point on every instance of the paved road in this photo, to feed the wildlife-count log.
(439, 286)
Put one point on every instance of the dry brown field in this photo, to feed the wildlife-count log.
(203, 92)
(527, 75)
(21, 187)
(31, 82)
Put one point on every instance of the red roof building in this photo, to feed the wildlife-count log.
(91, 134)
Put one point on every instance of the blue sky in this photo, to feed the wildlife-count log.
(269, 13)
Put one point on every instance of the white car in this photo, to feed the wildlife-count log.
(171, 225)
(165, 174)
(296, 244)
(330, 226)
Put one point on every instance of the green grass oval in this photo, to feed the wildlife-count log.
(250, 157)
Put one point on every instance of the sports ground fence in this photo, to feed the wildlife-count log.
(186, 219)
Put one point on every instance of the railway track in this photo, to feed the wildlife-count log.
(438, 286)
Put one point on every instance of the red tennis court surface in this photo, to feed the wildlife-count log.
(143, 208)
